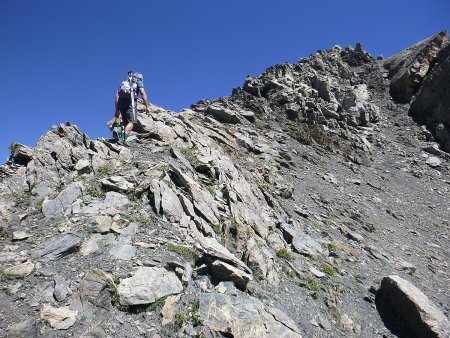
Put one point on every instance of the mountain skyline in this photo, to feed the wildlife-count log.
(63, 61)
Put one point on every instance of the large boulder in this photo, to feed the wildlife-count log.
(431, 105)
(148, 285)
(408, 312)
(408, 68)
(244, 316)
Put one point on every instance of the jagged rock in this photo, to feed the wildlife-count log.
(243, 140)
(64, 199)
(148, 285)
(59, 318)
(407, 310)
(244, 316)
(117, 183)
(97, 288)
(408, 68)
(83, 167)
(222, 114)
(212, 247)
(431, 104)
(20, 153)
(57, 246)
(227, 272)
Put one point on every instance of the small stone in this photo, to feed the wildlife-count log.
(21, 270)
(20, 235)
(317, 273)
(59, 318)
(433, 161)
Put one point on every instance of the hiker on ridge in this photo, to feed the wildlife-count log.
(124, 103)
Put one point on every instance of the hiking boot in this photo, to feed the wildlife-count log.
(115, 133)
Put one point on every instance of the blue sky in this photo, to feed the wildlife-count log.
(63, 60)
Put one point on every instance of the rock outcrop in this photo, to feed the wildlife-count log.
(431, 105)
(408, 68)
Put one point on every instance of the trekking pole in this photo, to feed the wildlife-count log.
(133, 105)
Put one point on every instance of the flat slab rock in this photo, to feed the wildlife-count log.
(245, 317)
(147, 285)
(400, 302)
(57, 246)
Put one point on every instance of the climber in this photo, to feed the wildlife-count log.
(126, 98)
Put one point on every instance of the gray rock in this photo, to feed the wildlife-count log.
(124, 252)
(20, 153)
(306, 245)
(222, 114)
(64, 200)
(227, 272)
(115, 200)
(97, 288)
(244, 316)
(57, 246)
(409, 311)
(83, 167)
(243, 140)
(20, 235)
(147, 285)
(27, 328)
(433, 161)
(61, 289)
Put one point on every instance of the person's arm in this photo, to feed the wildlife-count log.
(144, 97)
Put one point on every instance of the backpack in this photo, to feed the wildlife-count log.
(125, 89)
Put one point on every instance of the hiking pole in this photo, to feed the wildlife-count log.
(133, 105)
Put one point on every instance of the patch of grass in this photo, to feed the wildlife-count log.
(104, 169)
(127, 217)
(212, 191)
(183, 250)
(146, 220)
(331, 247)
(195, 317)
(97, 193)
(179, 319)
(317, 224)
(313, 285)
(285, 254)
(328, 270)
(290, 273)
(135, 309)
(131, 194)
(157, 305)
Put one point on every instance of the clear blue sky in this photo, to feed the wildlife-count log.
(62, 60)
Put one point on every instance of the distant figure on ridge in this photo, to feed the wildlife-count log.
(126, 98)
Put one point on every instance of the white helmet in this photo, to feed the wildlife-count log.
(138, 76)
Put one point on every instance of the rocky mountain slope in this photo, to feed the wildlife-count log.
(308, 203)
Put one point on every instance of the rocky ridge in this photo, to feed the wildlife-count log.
(275, 211)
